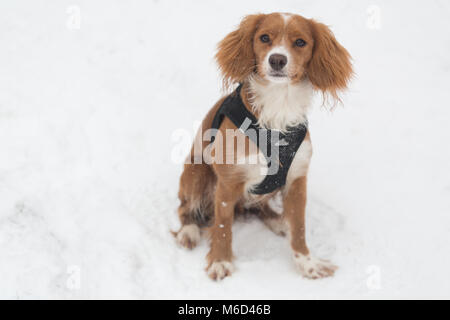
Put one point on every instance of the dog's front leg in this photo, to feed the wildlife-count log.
(294, 211)
(220, 255)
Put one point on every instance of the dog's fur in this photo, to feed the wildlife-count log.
(212, 193)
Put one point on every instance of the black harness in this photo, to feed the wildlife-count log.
(278, 148)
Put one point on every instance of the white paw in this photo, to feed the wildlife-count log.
(188, 236)
(220, 269)
(313, 268)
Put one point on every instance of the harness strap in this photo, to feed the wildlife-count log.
(283, 145)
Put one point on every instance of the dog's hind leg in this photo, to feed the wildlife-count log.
(196, 209)
(277, 224)
(274, 221)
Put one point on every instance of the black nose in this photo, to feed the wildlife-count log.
(277, 61)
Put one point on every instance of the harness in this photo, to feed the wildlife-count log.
(278, 148)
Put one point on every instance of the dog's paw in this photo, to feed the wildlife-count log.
(219, 270)
(313, 268)
(188, 236)
(277, 226)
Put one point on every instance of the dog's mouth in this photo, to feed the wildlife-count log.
(278, 76)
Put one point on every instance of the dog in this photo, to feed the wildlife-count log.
(279, 61)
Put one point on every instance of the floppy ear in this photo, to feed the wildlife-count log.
(235, 54)
(330, 67)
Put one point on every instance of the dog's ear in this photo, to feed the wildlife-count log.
(330, 67)
(235, 54)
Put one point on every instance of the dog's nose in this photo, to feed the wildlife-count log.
(277, 61)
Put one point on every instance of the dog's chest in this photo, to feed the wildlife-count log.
(256, 167)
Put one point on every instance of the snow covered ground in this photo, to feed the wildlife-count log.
(88, 181)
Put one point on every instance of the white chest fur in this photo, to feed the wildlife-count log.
(279, 106)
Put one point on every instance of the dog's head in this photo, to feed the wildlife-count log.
(285, 48)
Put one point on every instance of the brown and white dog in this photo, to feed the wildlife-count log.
(280, 60)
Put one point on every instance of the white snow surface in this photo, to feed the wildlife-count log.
(90, 122)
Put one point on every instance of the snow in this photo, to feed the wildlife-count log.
(92, 117)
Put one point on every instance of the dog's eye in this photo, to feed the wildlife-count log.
(264, 38)
(300, 43)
